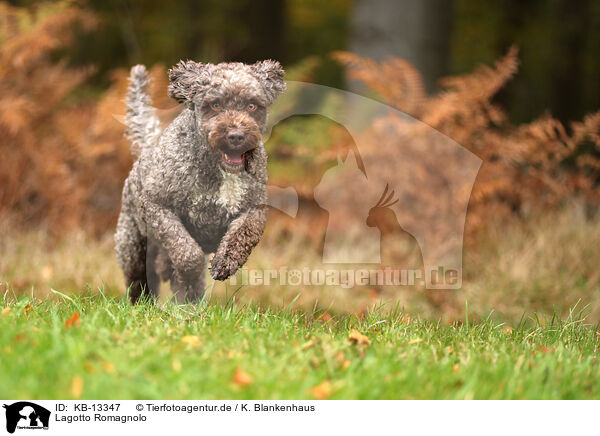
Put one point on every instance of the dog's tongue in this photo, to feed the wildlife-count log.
(235, 159)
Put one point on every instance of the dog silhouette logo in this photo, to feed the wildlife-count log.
(426, 177)
(26, 415)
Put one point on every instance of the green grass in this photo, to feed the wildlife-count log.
(118, 351)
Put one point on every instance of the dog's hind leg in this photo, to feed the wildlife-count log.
(152, 272)
(188, 288)
(135, 261)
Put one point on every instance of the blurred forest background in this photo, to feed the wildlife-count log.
(558, 41)
(515, 82)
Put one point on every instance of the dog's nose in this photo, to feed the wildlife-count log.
(235, 137)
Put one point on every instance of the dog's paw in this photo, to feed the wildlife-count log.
(221, 269)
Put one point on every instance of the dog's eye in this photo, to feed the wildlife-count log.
(252, 107)
(216, 106)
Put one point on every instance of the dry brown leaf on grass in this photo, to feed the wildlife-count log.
(176, 365)
(308, 345)
(242, 378)
(231, 354)
(341, 359)
(76, 386)
(191, 340)
(321, 391)
(358, 338)
(6, 311)
(326, 317)
(108, 367)
(27, 309)
(73, 321)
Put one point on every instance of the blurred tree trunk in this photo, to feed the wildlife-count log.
(263, 21)
(566, 95)
(415, 30)
(240, 31)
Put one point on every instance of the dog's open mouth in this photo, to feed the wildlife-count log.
(234, 161)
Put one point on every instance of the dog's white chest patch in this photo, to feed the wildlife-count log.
(231, 192)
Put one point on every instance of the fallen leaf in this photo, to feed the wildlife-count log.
(73, 321)
(358, 338)
(176, 365)
(415, 341)
(77, 386)
(321, 391)
(325, 317)
(456, 367)
(27, 309)
(242, 378)
(545, 349)
(6, 311)
(307, 345)
(192, 341)
(108, 367)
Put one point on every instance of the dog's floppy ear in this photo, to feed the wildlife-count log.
(270, 75)
(186, 81)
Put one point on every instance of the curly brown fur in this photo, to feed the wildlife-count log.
(198, 187)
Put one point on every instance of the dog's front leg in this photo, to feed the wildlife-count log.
(242, 236)
(164, 226)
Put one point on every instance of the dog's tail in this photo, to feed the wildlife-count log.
(142, 125)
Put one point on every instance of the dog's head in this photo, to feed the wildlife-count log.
(230, 101)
